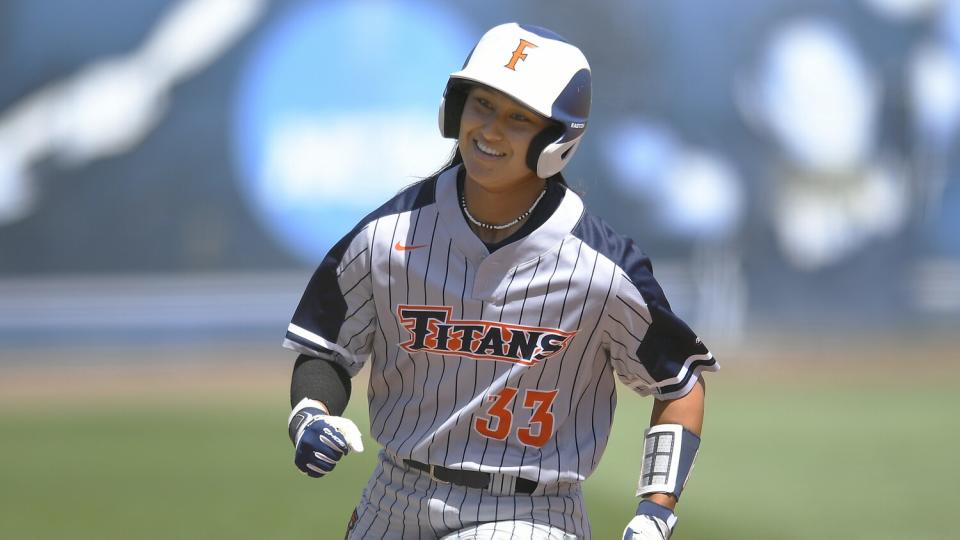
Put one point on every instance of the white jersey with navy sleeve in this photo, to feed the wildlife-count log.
(498, 362)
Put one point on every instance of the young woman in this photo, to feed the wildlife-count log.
(494, 312)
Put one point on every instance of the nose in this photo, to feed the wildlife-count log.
(492, 129)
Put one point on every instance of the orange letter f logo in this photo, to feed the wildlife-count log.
(519, 54)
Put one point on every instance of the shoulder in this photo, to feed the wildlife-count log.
(619, 249)
(411, 198)
(634, 266)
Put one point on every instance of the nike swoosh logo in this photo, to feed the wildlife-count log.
(400, 247)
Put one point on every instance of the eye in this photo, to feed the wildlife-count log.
(520, 117)
(484, 103)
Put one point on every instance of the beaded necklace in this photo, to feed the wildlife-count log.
(482, 225)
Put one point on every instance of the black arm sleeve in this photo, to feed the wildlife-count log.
(321, 380)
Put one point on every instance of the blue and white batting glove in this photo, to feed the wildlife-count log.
(652, 522)
(321, 439)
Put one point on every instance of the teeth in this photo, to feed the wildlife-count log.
(487, 150)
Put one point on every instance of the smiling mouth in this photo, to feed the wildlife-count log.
(486, 150)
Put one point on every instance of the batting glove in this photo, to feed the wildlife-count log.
(321, 440)
(652, 522)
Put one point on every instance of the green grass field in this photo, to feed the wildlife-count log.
(790, 457)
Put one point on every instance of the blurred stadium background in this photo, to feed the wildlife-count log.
(172, 170)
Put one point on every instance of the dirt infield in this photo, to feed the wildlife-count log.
(263, 370)
(93, 373)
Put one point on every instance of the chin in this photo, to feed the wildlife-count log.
(481, 172)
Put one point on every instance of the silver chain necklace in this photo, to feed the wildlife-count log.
(482, 225)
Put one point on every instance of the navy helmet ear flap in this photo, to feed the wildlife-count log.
(451, 109)
(540, 141)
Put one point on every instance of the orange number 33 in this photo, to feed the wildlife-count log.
(498, 423)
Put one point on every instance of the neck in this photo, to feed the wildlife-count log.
(501, 205)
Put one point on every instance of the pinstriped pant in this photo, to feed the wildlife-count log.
(401, 503)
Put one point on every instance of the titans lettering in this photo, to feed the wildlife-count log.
(433, 330)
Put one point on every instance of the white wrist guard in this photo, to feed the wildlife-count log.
(669, 451)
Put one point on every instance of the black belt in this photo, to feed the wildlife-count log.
(472, 479)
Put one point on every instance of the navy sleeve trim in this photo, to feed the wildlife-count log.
(694, 369)
(670, 351)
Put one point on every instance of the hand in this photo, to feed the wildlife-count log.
(321, 440)
(646, 528)
(652, 522)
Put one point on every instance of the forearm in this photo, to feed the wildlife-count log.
(686, 411)
(322, 380)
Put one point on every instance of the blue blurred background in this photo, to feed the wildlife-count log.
(174, 170)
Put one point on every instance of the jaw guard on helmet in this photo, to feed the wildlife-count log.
(541, 71)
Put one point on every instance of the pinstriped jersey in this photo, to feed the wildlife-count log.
(497, 362)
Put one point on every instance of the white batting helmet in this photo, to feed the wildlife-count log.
(537, 68)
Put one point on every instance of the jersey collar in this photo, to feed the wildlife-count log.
(492, 268)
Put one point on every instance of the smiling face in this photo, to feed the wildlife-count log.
(495, 134)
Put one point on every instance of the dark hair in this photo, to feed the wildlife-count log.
(456, 158)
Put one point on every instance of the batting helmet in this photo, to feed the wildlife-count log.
(540, 70)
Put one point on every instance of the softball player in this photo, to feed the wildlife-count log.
(494, 312)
